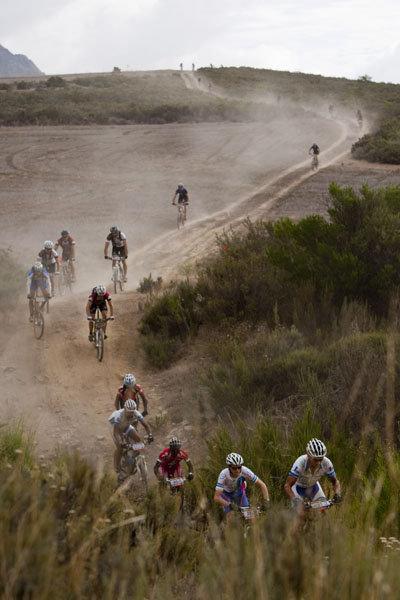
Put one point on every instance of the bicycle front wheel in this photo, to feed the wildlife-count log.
(38, 325)
(100, 344)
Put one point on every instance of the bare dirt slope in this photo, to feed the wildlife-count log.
(86, 179)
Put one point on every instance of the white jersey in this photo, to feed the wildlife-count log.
(305, 478)
(117, 416)
(229, 484)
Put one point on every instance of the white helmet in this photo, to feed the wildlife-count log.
(130, 405)
(48, 245)
(100, 289)
(37, 267)
(316, 449)
(129, 380)
(234, 460)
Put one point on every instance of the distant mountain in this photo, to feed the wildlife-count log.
(16, 65)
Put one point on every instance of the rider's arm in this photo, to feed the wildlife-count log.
(145, 425)
(73, 250)
(290, 481)
(126, 248)
(173, 198)
(219, 499)
(263, 488)
(118, 436)
(117, 402)
(156, 469)
(88, 308)
(110, 304)
(144, 399)
(336, 485)
(106, 248)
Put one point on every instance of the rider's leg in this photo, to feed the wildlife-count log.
(125, 268)
(91, 325)
(72, 268)
(104, 315)
(30, 299)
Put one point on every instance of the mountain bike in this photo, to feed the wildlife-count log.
(117, 273)
(133, 463)
(181, 218)
(98, 333)
(38, 317)
(65, 278)
(176, 487)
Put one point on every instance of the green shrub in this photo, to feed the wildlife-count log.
(382, 146)
(12, 279)
(55, 81)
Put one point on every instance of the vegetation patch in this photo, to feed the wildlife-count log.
(382, 146)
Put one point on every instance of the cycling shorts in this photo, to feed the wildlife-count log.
(38, 285)
(119, 252)
(315, 492)
(238, 497)
(102, 306)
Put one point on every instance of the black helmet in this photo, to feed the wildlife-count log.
(114, 229)
(175, 444)
(64, 232)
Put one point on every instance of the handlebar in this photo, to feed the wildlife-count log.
(106, 319)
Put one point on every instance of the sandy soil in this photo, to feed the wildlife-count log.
(86, 179)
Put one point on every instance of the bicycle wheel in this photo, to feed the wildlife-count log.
(121, 280)
(99, 344)
(115, 279)
(38, 324)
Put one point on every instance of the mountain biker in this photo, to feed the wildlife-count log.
(183, 197)
(131, 389)
(98, 299)
(314, 150)
(359, 118)
(302, 482)
(50, 261)
(67, 244)
(38, 279)
(168, 463)
(119, 247)
(230, 491)
(123, 430)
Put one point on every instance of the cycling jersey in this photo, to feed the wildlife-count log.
(117, 239)
(182, 194)
(315, 149)
(170, 463)
(96, 302)
(38, 281)
(66, 244)
(307, 479)
(230, 484)
(48, 257)
(134, 394)
(117, 416)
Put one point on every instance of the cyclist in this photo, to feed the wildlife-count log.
(50, 261)
(230, 491)
(359, 118)
(131, 389)
(183, 197)
(123, 430)
(119, 247)
(67, 244)
(314, 150)
(168, 464)
(38, 279)
(302, 482)
(98, 299)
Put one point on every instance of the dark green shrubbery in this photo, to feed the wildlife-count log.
(55, 81)
(11, 278)
(382, 146)
(293, 273)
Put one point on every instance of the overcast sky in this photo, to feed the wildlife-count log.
(332, 37)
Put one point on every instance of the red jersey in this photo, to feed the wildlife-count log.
(95, 300)
(170, 463)
(135, 395)
(66, 244)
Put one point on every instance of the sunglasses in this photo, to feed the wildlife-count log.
(235, 468)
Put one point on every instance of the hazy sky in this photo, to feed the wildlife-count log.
(331, 37)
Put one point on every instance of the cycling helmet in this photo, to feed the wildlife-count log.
(175, 444)
(130, 405)
(180, 185)
(114, 229)
(64, 232)
(37, 267)
(100, 290)
(316, 449)
(234, 460)
(129, 380)
(48, 245)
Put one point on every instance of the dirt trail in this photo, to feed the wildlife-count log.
(55, 384)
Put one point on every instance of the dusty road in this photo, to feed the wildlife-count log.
(86, 179)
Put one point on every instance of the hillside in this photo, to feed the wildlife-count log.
(16, 65)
